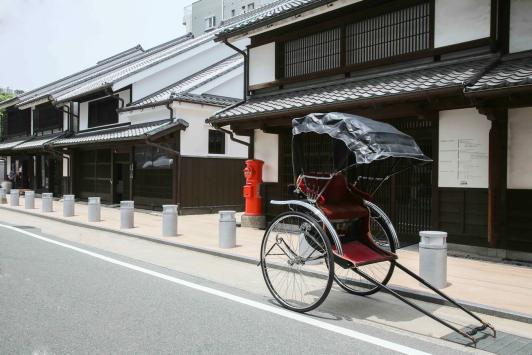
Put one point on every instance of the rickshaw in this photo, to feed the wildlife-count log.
(333, 230)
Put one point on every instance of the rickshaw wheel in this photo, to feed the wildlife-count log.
(297, 261)
(355, 284)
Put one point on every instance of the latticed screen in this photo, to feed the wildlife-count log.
(314, 53)
(18, 122)
(394, 33)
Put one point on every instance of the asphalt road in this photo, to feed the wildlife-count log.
(54, 299)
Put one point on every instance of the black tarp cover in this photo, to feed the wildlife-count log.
(368, 139)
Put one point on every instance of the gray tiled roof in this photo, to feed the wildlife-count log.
(130, 68)
(424, 78)
(270, 13)
(122, 133)
(195, 80)
(509, 73)
(214, 100)
(36, 142)
(12, 143)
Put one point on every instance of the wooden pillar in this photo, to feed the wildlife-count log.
(497, 175)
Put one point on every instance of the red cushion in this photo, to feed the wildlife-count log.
(339, 202)
(343, 210)
(361, 254)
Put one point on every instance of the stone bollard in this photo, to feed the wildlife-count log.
(227, 229)
(94, 214)
(433, 257)
(169, 220)
(3, 198)
(47, 202)
(127, 214)
(14, 197)
(6, 185)
(29, 200)
(69, 203)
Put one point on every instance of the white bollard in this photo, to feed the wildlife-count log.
(47, 202)
(3, 198)
(433, 257)
(94, 214)
(169, 220)
(14, 197)
(68, 205)
(127, 214)
(227, 229)
(6, 185)
(29, 200)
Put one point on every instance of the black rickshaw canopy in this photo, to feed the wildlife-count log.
(368, 139)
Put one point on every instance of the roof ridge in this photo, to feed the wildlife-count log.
(120, 54)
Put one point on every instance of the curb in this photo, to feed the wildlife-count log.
(413, 294)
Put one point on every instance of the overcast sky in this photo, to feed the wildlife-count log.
(43, 40)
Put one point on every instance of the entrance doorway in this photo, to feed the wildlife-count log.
(122, 177)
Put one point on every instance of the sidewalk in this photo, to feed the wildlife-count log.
(493, 286)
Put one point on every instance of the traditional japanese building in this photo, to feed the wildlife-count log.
(456, 75)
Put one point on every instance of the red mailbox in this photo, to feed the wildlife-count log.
(253, 174)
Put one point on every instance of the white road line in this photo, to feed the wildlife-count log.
(271, 309)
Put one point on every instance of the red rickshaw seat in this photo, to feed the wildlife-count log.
(361, 254)
(339, 202)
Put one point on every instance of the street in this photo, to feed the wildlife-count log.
(102, 293)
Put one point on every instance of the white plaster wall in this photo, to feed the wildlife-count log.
(84, 109)
(463, 149)
(519, 152)
(8, 165)
(262, 64)
(459, 21)
(65, 167)
(520, 25)
(230, 88)
(195, 139)
(146, 115)
(266, 148)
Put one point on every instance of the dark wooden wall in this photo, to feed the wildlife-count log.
(211, 184)
(519, 220)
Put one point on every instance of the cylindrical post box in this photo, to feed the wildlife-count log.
(94, 213)
(253, 175)
(29, 200)
(3, 198)
(127, 214)
(433, 257)
(14, 197)
(47, 202)
(68, 205)
(169, 220)
(227, 229)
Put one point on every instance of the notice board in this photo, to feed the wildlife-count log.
(463, 149)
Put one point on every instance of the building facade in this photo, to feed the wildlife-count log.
(456, 75)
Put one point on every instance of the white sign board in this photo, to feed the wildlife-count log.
(463, 149)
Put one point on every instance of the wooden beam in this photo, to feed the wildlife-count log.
(497, 174)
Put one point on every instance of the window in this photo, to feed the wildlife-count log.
(103, 112)
(394, 33)
(18, 123)
(210, 22)
(47, 119)
(314, 53)
(216, 142)
(251, 6)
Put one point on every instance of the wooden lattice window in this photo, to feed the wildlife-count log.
(47, 118)
(313, 53)
(391, 34)
(18, 123)
(103, 112)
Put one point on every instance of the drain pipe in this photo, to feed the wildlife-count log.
(246, 66)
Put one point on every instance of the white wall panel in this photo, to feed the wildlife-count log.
(262, 64)
(520, 25)
(458, 21)
(267, 149)
(519, 148)
(463, 149)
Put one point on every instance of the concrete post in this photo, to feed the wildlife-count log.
(433, 257)
(47, 202)
(68, 205)
(3, 198)
(127, 214)
(14, 197)
(227, 229)
(94, 214)
(29, 200)
(6, 185)
(169, 220)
